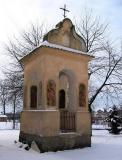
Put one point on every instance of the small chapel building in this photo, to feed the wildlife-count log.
(55, 113)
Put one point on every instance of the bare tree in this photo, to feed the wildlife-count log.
(92, 30)
(109, 76)
(19, 47)
(3, 95)
(105, 70)
(11, 91)
(15, 91)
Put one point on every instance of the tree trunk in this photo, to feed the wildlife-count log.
(4, 108)
(14, 109)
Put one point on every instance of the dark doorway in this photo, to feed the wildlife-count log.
(62, 98)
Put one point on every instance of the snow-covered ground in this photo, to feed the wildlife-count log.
(104, 147)
(95, 127)
(8, 125)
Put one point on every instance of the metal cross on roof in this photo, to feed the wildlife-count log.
(65, 10)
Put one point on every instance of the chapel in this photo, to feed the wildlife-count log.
(55, 109)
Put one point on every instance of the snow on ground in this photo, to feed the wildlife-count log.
(104, 147)
(8, 125)
(95, 127)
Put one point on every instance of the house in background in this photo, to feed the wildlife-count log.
(3, 118)
(55, 113)
(99, 117)
(11, 116)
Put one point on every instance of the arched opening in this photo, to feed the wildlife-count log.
(33, 97)
(62, 99)
(67, 82)
(67, 100)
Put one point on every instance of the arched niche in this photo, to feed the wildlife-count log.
(82, 95)
(51, 93)
(67, 82)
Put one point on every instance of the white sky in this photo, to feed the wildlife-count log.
(16, 15)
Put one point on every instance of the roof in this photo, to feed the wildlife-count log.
(55, 46)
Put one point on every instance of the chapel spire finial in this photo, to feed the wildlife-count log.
(65, 10)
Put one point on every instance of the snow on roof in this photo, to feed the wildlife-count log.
(56, 46)
(2, 115)
(46, 43)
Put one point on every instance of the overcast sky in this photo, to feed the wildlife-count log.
(16, 15)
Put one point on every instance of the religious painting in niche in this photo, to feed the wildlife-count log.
(82, 95)
(51, 93)
(33, 97)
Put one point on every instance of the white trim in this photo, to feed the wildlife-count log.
(43, 110)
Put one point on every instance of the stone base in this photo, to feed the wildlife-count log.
(55, 143)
